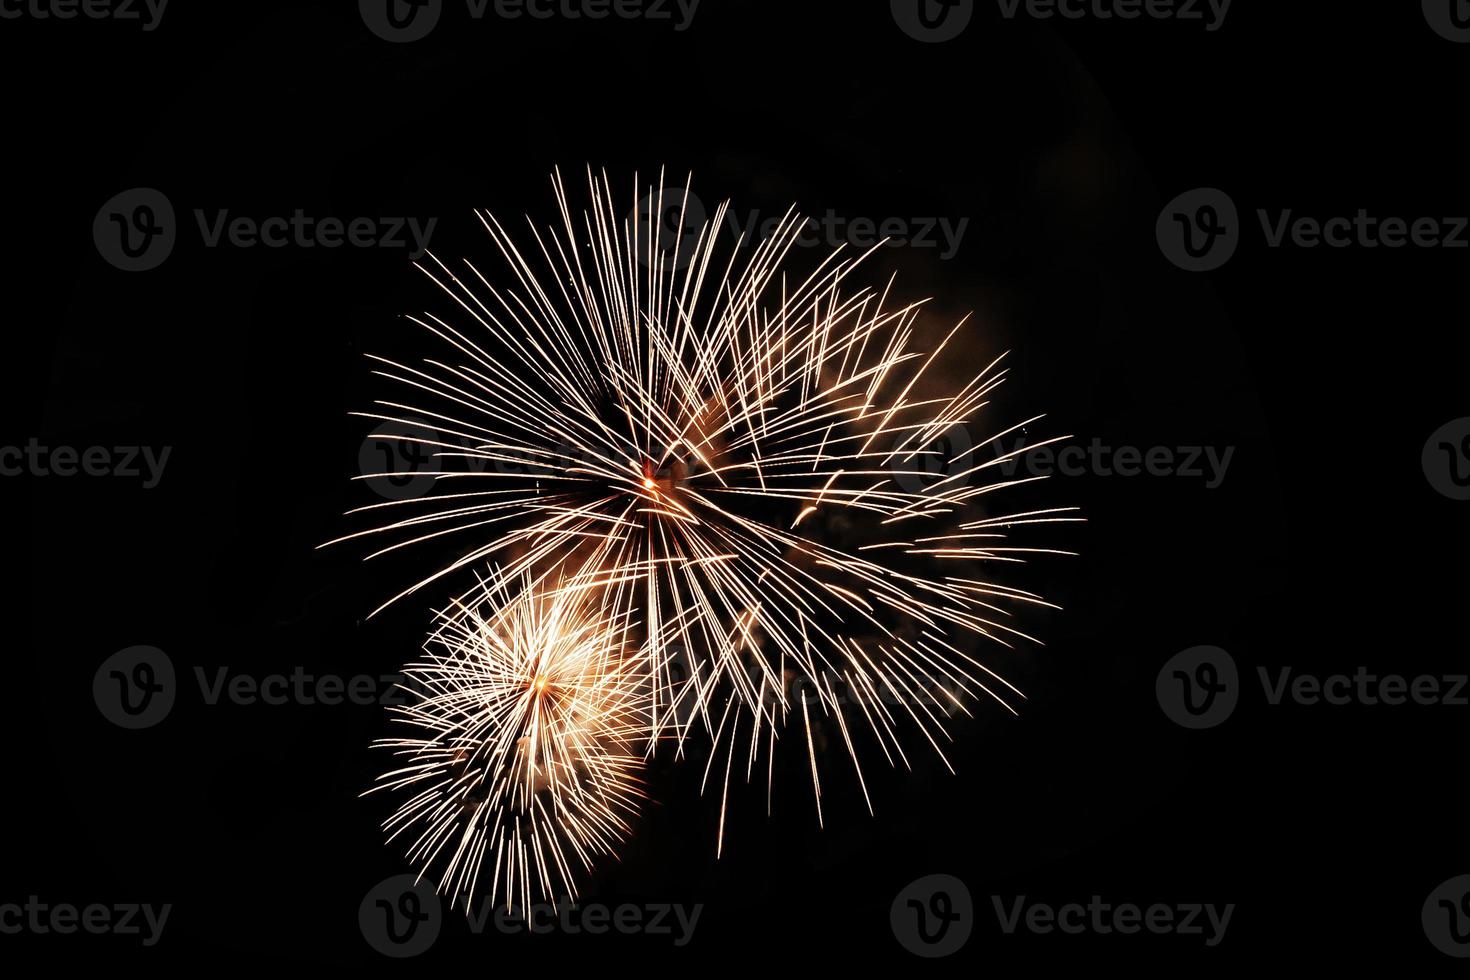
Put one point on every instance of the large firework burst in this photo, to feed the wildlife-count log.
(743, 454)
(529, 719)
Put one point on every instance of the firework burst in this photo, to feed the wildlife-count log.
(529, 720)
(743, 454)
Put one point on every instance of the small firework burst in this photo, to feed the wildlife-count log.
(530, 718)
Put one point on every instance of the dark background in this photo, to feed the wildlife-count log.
(1324, 549)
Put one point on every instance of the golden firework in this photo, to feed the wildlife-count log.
(529, 718)
(742, 454)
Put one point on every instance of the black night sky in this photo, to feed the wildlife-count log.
(1300, 513)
